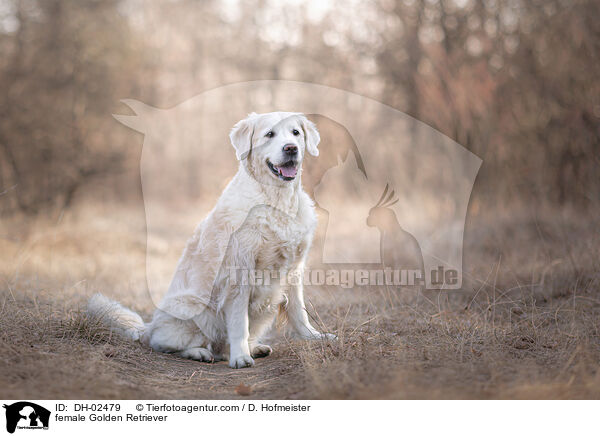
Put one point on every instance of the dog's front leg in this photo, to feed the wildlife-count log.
(296, 311)
(236, 318)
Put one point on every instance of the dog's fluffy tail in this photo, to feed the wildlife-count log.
(117, 317)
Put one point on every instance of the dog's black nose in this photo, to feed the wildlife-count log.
(290, 149)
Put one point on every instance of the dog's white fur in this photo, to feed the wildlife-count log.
(260, 222)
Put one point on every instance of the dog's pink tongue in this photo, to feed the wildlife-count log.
(288, 171)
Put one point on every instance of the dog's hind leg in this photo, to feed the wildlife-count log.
(168, 334)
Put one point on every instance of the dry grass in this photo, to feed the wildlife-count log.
(526, 324)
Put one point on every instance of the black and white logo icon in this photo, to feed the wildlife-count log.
(26, 415)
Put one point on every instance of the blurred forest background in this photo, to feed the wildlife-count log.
(514, 81)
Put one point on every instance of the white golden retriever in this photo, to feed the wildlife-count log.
(263, 221)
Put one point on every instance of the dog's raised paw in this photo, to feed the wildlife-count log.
(241, 362)
(261, 350)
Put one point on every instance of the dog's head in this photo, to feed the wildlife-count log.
(273, 144)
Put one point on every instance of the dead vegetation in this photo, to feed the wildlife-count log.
(525, 325)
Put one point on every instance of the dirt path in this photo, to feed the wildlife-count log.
(525, 325)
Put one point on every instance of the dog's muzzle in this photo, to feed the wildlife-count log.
(286, 171)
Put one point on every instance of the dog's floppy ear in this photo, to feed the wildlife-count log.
(311, 135)
(241, 136)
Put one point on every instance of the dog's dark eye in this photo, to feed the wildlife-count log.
(295, 132)
(270, 134)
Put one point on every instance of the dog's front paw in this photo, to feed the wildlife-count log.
(241, 362)
(318, 336)
(324, 337)
(261, 350)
